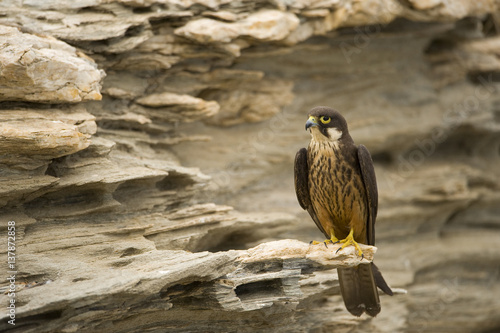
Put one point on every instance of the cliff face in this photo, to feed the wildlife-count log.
(147, 160)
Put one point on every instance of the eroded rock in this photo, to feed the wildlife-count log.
(171, 107)
(43, 69)
(31, 139)
(275, 274)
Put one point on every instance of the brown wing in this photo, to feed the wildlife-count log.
(368, 174)
(301, 176)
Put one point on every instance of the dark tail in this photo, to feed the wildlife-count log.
(358, 286)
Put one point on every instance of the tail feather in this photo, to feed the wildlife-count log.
(350, 290)
(359, 291)
(358, 286)
(368, 290)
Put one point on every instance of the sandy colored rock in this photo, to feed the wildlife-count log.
(168, 99)
(170, 279)
(209, 31)
(61, 4)
(458, 9)
(320, 254)
(174, 107)
(41, 69)
(31, 139)
(269, 25)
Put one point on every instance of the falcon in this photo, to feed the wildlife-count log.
(335, 183)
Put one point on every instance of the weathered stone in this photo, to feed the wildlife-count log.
(61, 4)
(42, 69)
(31, 139)
(209, 31)
(178, 108)
(458, 9)
(170, 280)
(222, 15)
(269, 25)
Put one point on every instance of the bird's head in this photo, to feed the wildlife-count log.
(325, 123)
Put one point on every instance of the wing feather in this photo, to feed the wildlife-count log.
(370, 182)
(301, 177)
(368, 173)
(301, 174)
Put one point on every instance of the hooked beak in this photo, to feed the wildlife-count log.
(312, 121)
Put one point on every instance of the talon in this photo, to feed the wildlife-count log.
(349, 240)
(325, 244)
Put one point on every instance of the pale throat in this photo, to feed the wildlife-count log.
(333, 138)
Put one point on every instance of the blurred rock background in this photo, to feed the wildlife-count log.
(143, 141)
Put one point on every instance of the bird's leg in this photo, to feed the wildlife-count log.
(349, 240)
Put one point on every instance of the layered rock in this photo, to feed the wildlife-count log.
(161, 287)
(44, 69)
(122, 122)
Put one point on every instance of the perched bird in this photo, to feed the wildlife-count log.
(335, 182)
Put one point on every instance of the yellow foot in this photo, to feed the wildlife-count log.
(332, 240)
(349, 240)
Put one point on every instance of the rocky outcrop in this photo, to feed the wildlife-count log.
(164, 286)
(45, 70)
(147, 159)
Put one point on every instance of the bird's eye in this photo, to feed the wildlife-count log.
(325, 119)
